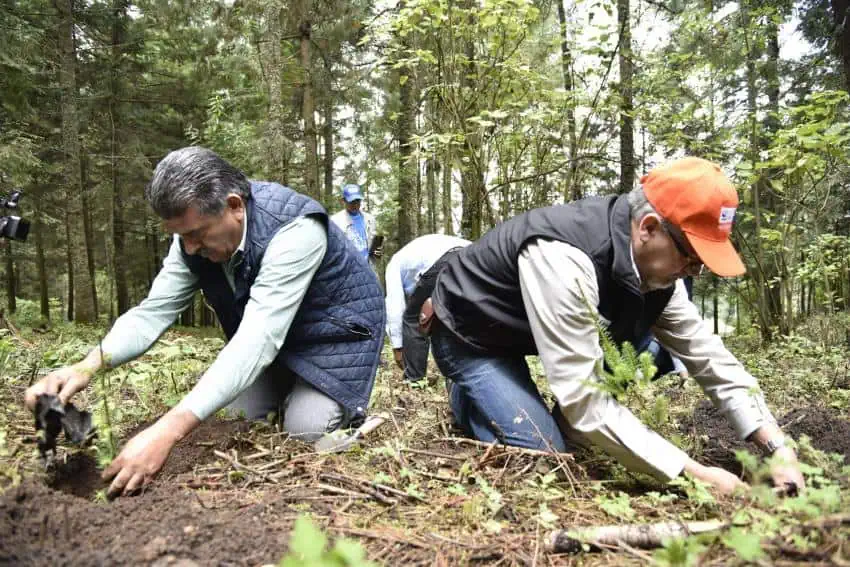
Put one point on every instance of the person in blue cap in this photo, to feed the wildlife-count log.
(358, 225)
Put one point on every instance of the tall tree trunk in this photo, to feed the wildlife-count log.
(84, 307)
(776, 278)
(157, 263)
(43, 292)
(627, 126)
(408, 205)
(572, 189)
(311, 164)
(88, 227)
(11, 292)
(753, 151)
(431, 173)
(119, 260)
(274, 69)
(69, 266)
(715, 304)
(446, 196)
(841, 18)
(328, 134)
(471, 175)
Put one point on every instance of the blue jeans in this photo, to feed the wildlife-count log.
(493, 397)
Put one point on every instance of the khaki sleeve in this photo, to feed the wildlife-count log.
(558, 284)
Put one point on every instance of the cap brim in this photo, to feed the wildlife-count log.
(357, 197)
(719, 257)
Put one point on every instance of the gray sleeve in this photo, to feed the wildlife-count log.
(288, 267)
(559, 288)
(136, 330)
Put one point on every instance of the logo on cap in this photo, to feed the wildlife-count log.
(727, 216)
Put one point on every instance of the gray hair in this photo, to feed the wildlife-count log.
(194, 176)
(639, 205)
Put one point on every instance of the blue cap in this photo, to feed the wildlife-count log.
(351, 192)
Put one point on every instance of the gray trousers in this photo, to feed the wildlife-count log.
(307, 413)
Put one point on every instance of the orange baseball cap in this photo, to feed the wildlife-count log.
(695, 195)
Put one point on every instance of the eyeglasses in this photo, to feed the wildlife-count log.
(695, 266)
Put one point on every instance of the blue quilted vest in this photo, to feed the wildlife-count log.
(336, 337)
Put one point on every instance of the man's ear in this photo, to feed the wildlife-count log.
(235, 202)
(648, 227)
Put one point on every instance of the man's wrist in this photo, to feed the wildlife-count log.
(178, 423)
(773, 444)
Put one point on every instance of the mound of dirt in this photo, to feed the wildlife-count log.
(163, 526)
(167, 524)
(828, 431)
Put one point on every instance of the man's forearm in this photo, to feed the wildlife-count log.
(92, 363)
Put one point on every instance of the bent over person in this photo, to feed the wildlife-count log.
(528, 287)
(302, 310)
(410, 277)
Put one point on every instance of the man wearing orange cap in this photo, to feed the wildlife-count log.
(528, 287)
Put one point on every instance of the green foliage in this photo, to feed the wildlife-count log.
(679, 552)
(746, 545)
(308, 548)
(617, 506)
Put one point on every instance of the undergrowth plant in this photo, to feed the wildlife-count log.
(308, 547)
(628, 377)
(102, 417)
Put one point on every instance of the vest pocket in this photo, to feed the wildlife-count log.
(351, 328)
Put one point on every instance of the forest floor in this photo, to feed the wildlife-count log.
(415, 492)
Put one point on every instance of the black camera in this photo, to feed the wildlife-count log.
(11, 226)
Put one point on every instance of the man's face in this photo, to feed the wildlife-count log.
(662, 253)
(353, 206)
(214, 237)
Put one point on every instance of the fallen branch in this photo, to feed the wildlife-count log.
(645, 536)
(506, 449)
(244, 468)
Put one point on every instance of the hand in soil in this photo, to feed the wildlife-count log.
(139, 460)
(785, 471)
(64, 383)
(143, 456)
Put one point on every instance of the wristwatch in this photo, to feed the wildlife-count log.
(773, 444)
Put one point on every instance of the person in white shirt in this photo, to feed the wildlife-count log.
(410, 277)
(357, 224)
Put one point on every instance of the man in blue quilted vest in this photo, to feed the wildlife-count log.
(302, 311)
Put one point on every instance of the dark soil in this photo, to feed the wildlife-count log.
(39, 525)
(78, 475)
(829, 432)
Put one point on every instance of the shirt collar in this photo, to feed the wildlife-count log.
(236, 258)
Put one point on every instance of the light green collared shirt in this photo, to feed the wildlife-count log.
(288, 266)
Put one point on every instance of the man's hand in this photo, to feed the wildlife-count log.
(64, 383)
(722, 480)
(398, 355)
(143, 456)
(785, 470)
